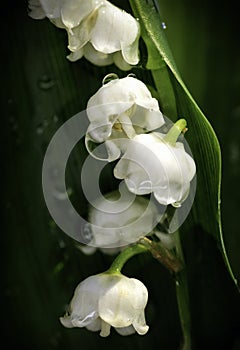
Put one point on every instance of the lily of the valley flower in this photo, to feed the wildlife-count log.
(151, 164)
(118, 110)
(116, 221)
(97, 30)
(106, 300)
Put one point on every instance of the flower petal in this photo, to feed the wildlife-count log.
(120, 62)
(105, 329)
(95, 57)
(117, 220)
(140, 324)
(52, 8)
(74, 56)
(84, 304)
(130, 52)
(148, 119)
(87, 320)
(74, 11)
(114, 29)
(123, 302)
(66, 321)
(86, 249)
(58, 22)
(126, 330)
(115, 306)
(79, 36)
(36, 10)
(95, 325)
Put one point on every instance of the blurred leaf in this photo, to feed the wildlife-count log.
(201, 136)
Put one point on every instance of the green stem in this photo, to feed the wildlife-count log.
(124, 256)
(183, 298)
(175, 131)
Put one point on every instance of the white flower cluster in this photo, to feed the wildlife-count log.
(123, 118)
(97, 30)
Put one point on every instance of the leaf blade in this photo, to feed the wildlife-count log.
(204, 142)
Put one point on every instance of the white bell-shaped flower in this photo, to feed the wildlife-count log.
(118, 110)
(69, 12)
(97, 30)
(151, 164)
(106, 300)
(116, 221)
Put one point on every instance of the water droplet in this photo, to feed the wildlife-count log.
(164, 26)
(45, 82)
(45, 122)
(177, 283)
(55, 118)
(61, 244)
(40, 129)
(132, 75)
(109, 77)
(176, 205)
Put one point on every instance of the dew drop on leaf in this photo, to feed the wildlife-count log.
(164, 26)
(45, 82)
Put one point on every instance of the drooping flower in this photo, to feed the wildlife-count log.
(151, 164)
(116, 221)
(118, 110)
(106, 300)
(97, 30)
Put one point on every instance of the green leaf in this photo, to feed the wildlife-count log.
(177, 102)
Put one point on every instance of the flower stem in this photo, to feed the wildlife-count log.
(124, 256)
(175, 131)
(183, 298)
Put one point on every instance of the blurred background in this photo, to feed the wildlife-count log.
(41, 266)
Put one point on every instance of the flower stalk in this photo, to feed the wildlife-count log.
(124, 256)
(183, 298)
(175, 131)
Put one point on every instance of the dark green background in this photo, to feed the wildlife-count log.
(41, 265)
